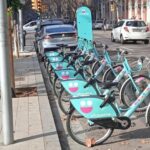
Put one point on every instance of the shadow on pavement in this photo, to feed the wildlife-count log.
(53, 104)
(35, 137)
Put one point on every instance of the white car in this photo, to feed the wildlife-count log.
(130, 30)
(98, 24)
(30, 27)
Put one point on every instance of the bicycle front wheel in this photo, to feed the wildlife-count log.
(81, 131)
(57, 86)
(148, 115)
(109, 75)
(129, 94)
(64, 101)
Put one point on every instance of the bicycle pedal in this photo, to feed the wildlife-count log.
(133, 124)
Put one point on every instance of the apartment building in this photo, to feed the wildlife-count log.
(140, 9)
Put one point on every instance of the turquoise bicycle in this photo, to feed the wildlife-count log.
(93, 118)
(65, 94)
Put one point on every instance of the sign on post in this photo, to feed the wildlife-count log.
(84, 23)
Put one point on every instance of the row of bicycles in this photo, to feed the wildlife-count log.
(97, 91)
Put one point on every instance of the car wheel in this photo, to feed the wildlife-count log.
(112, 38)
(146, 42)
(122, 40)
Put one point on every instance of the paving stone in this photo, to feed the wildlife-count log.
(34, 127)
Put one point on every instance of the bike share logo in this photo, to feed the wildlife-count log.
(65, 75)
(73, 87)
(59, 66)
(51, 54)
(55, 59)
(84, 12)
(86, 106)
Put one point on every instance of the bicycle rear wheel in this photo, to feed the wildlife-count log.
(81, 131)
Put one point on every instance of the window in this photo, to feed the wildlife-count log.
(120, 23)
(33, 23)
(135, 24)
(99, 21)
(60, 29)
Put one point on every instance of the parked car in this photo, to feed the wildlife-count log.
(98, 24)
(41, 25)
(31, 26)
(130, 30)
(109, 25)
(45, 23)
(48, 22)
(53, 35)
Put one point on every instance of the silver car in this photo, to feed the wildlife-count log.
(30, 27)
(54, 35)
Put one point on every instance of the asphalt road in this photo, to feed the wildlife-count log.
(138, 49)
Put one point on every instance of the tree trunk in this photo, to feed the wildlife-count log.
(58, 9)
(11, 55)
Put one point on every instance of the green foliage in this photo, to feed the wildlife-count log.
(14, 4)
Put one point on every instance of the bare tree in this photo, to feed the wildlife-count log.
(61, 8)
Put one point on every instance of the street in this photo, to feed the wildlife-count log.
(134, 49)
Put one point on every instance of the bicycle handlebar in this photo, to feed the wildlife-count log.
(77, 72)
(108, 99)
(69, 54)
(89, 82)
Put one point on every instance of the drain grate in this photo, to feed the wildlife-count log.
(26, 92)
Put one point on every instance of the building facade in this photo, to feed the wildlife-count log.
(139, 9)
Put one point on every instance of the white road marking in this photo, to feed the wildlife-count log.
(126, 48)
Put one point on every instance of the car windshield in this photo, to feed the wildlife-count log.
(135, 23)
(60, 29)
(99, 21)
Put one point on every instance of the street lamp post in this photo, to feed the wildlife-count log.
(21, 26)
(7, 117)
(21, 30)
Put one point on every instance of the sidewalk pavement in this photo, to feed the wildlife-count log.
(34, 127)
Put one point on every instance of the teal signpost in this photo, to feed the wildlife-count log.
(84, 23)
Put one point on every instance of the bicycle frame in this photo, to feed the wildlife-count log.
(104, 62)
(127, 71)
(90, 108)
(139, 101)
(146, 114)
